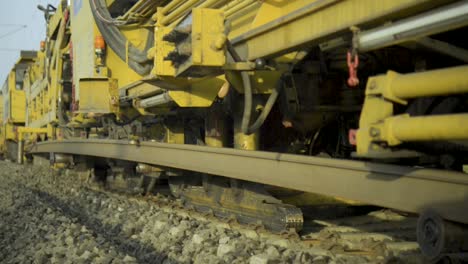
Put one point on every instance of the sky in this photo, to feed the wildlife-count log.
(22, 27)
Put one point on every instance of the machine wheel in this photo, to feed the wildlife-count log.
(431, 234)
(441, 239)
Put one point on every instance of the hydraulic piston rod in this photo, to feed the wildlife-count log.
(155, 100)
(398, 87)
(426, 128)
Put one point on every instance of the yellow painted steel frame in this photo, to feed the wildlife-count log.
(45, 86)
(2, 130)
(98, 79)
(378, 125)
(37, 96)
(14, 101)
(198, 94)
(98, 96)
(162, 67)
(22, 131)
(208, 39)
(276, 27)
(310, 21)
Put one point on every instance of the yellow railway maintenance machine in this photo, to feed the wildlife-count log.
(2, 142)
(14, 105)
(359, 99)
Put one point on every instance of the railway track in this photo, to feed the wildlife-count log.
(398, 187)
(404, 189)
(326, 240)
(336, 232)
(193, 102)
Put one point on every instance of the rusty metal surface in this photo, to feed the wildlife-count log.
(398, 187)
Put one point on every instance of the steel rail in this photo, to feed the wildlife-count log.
(402, 188)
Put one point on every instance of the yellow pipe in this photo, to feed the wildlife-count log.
(209, 3)
(238, 7)
(24, 130)
(431, 83)
(134, 9)
(231, 4)
(167, 8)
(426, 128)
(177, 12)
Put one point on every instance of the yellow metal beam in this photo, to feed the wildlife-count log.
(320, 19)
(32, 130)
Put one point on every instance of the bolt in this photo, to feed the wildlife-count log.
(114, 100)
(374, 132)
(372, 85)
(260, 64)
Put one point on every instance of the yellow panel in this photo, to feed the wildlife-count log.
(163, 67)
(96, 96)
(119, 68)
(1, 108)
(273, 9)
(208, 27)
(18, 106)
(200, 94)
(82, 24)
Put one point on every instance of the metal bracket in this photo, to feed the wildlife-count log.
(382, 86)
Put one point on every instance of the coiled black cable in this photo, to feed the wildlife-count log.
(137, 59)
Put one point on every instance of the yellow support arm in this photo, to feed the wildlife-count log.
(30, 130)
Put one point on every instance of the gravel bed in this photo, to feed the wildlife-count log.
(46, 217)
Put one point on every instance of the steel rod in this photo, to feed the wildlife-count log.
(429, 128)
(440, 82)
(433, 22)
(170, 17)
(155, 100)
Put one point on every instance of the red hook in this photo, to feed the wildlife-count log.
(353, 80)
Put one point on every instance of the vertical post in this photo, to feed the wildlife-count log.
(175, 133)
(241, 140)
(20, 151)
(215, 128)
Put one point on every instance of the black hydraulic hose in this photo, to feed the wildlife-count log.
(103, 13)
(266, 109)
(246, 128)
(137, 59)
(247, 103)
